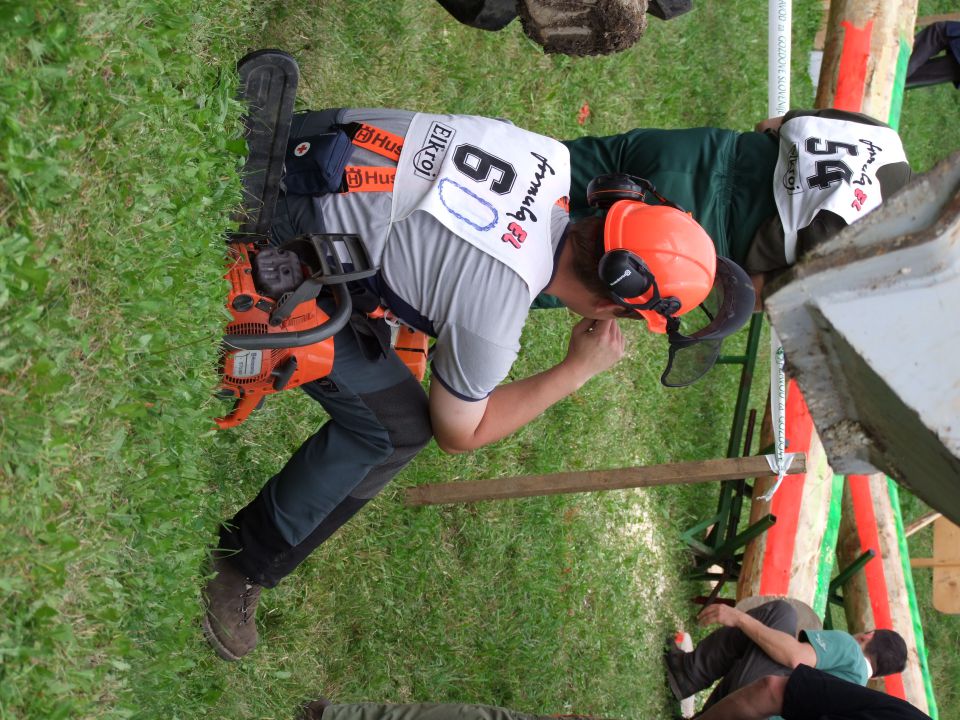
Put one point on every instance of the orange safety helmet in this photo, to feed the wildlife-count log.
(678, 255)
(660, 263)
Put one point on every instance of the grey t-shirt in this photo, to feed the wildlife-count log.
(476, 304)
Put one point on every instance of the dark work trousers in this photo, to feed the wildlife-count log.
(379, 420)
(926, 69)
(728, 655)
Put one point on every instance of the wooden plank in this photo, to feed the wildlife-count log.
(934, 563)
(942, 17)
(684, 473)
(820, 38)
(946, 580)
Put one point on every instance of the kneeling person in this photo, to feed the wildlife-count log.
(764, 641)
(466, 219)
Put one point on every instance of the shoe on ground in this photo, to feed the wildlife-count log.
(680, 684)
(313, 710)
(231, 605)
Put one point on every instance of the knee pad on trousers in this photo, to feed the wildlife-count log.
(405, 413)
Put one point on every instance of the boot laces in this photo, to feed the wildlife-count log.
(248, 601)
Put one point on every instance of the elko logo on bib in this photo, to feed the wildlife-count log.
(427, 161)
(301, 149)
(790, 181)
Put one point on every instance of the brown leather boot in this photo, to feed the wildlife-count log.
(231, 606)
(313, 710)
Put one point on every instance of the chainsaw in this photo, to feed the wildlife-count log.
(278, 336)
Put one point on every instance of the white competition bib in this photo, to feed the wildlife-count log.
(490, 183)
(829, 165)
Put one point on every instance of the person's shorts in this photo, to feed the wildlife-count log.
(814, 695)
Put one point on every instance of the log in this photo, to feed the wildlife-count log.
(794, 557)
(683, 473)
(878, 596)
(864, 42)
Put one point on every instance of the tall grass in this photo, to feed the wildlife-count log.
(118, 173)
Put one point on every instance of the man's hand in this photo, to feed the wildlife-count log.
(461, 426)
(780, 646)
(595, 346)
(720, 614)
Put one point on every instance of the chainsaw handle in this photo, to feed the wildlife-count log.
(242, 408)
(277, 341)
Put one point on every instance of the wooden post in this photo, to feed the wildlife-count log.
(946, 566)
(861, 52)
(683, 473)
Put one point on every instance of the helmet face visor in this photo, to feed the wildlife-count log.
(724, 311)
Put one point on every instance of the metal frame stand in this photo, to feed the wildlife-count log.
(722, 545)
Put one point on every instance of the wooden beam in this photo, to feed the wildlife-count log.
(946, 575)
(683, 473)
(934, 563)
(942, 17)
(820, 38)
(920, 523)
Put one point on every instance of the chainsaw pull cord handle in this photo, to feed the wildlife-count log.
(278, 341)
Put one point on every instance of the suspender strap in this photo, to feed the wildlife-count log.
(368, 179)
(378, 141)
(365, 178)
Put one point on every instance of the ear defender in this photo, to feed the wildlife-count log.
(604, 190)
(624, 274)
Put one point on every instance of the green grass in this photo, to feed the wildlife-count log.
(117, 178)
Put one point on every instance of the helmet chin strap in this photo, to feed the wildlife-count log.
(666, 306)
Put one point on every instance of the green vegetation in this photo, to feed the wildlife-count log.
(118, 174)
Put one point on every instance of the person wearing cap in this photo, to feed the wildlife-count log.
(765, 197)
(466, 218)
(810, 694)
(765, 641)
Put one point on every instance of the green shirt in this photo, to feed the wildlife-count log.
(722, 176)
(838, 654)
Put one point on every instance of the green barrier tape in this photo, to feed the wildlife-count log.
(828, 548)
(896, 99)
(912, 596)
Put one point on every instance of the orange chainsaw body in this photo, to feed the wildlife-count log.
(251, 375)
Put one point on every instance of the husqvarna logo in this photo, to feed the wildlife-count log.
(790, 182)
(626, 273)
(427, 161)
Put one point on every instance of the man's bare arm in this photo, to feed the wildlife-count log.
(461, 426)
(780, 646)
